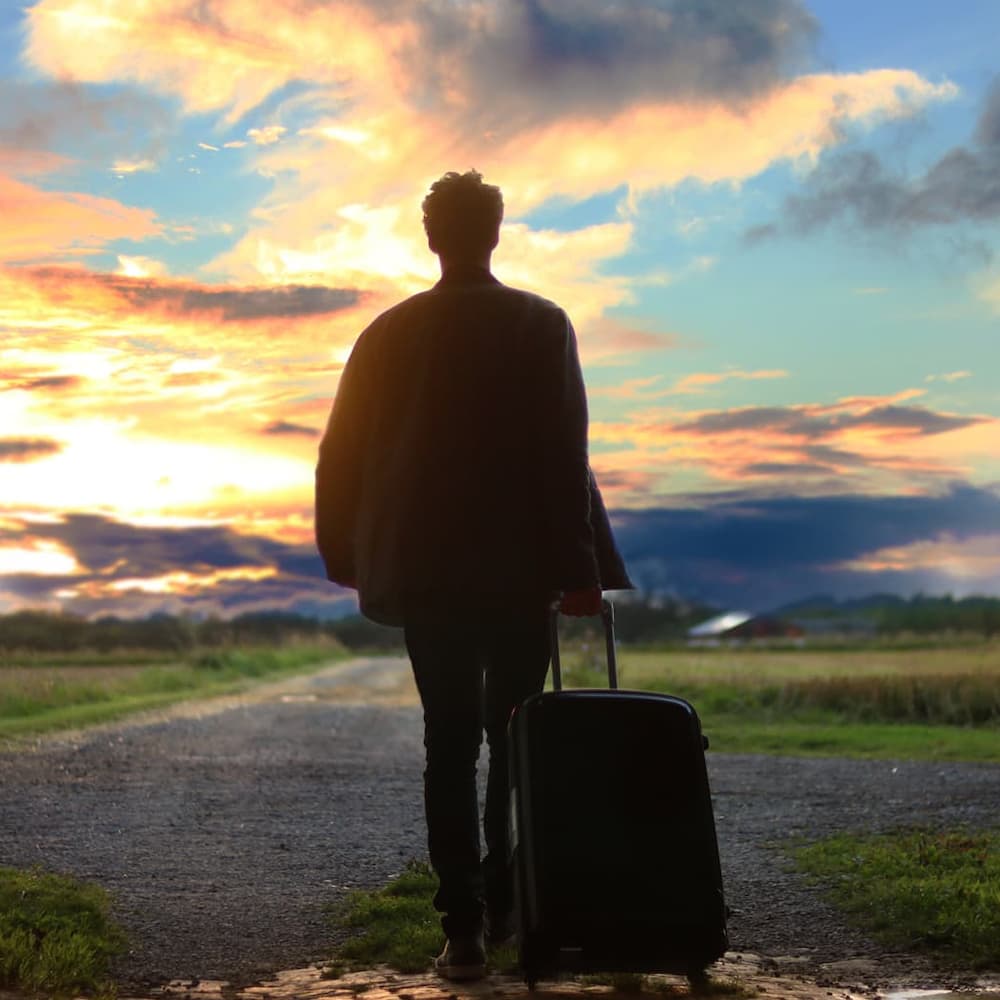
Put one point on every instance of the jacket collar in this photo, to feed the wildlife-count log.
(466, 274)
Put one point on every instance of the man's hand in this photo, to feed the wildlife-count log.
(581, 603)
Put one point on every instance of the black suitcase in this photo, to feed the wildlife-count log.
(613, 847)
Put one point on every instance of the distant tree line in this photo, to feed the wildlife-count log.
(639, 620)
(53, 632)
(942, 614)
(889, 614)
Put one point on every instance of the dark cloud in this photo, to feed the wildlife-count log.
(224, 599)
(45, 382)
(988, 126)
(762, 552)
(911, 418)
(246, 303)
(856, 186)
(786, 469)
(179, 297)
(27, 449)
(282, 427)
(811, 422)
(108, 551)
(737, 549)
(528, 60)
(29, 382)
(116, 550)
(82, 122)
(753, 418)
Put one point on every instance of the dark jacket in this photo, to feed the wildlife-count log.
(453, 472)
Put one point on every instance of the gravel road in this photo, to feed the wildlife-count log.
(224, 829)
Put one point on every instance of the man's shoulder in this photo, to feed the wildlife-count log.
(538, 311)
(394, 316)
(402, 307)
(540, 302)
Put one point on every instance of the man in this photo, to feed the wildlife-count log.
(453, 490)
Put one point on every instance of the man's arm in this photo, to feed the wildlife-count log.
(340, 469)
(566, 472)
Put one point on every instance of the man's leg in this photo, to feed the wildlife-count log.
(447, 667)
(517, 660)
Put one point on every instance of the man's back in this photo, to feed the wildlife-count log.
(472, 478)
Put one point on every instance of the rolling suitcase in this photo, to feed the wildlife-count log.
(613, 847)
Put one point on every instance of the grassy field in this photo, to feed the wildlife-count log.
(930, 701)
(933, 702)
(39, 694)
(917, 890)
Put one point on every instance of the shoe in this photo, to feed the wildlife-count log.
(500, 928)
(463, 958)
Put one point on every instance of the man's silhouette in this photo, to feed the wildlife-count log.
(453, 490)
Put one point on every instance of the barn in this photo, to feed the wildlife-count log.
(741, 626)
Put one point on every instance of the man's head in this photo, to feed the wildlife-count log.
(462, 217)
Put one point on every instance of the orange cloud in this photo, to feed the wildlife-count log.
(42, 225)
(966, 559)
(658, 145)
(405, 81)
(380, 158)
(855, 444)
(230, 61)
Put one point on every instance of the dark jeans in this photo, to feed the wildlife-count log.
(471, 672)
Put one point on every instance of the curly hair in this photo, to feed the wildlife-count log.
(462, 215)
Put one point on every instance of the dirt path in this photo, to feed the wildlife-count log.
(224, 829)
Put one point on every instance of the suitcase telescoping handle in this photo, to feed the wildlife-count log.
(608, 618)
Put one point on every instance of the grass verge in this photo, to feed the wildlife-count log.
(37, 700)
(917, 890)
(397, 926)
(55, 934)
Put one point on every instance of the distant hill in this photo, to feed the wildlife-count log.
(827, 606)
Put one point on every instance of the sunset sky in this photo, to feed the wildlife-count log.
(774, 225)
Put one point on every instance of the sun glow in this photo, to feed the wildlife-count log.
(183, 582)
(38, 556)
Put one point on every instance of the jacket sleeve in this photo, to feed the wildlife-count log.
(340, 469)
(610, 564)
(565, 468)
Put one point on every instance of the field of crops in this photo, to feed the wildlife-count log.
(935, 702)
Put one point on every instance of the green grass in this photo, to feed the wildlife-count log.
(931, 703)
(55, 934)
(399, 927)
(917, 890)
(37, 699)
(395, 926)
